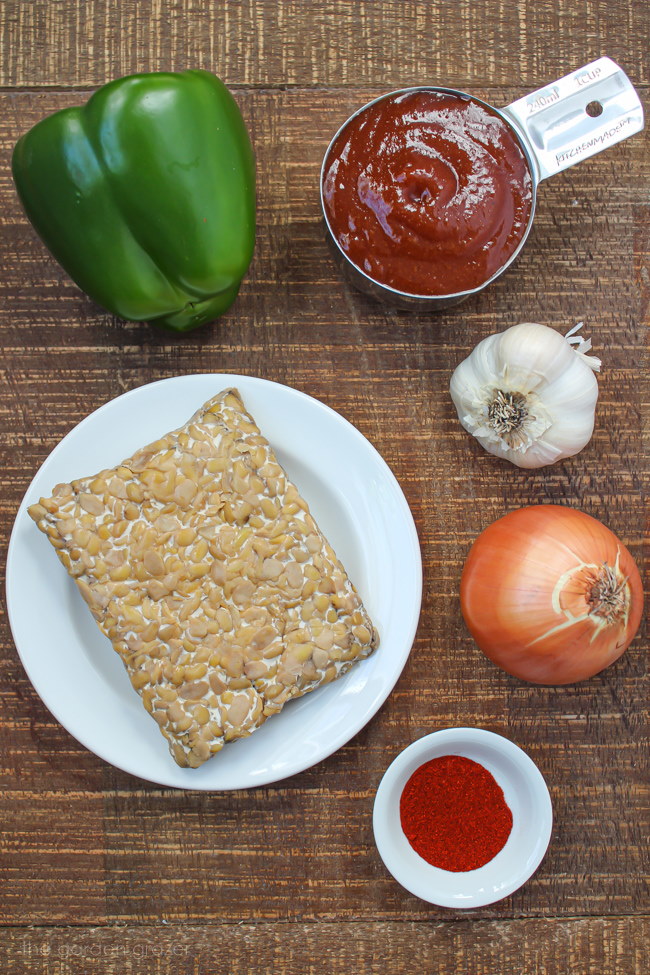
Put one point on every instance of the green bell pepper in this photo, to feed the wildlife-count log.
(146, 196)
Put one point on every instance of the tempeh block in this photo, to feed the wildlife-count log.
(202, 564)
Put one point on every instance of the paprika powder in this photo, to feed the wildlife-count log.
(454, 814)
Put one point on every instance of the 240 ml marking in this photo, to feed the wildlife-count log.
(545, 98)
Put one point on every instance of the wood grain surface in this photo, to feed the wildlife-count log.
(101, 872)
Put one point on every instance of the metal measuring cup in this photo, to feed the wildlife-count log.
(556, 127)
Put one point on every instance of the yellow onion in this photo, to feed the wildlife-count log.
(551, 595)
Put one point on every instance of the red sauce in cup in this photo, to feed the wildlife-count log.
(428, 192)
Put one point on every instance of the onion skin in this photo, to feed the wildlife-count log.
(529, 589)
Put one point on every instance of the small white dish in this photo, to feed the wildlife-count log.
(525, 792)
(354, 497)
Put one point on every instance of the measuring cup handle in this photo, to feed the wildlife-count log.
(577, 116)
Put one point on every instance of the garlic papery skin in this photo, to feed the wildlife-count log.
(528, 395)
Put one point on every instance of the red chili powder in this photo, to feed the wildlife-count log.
(454, 814)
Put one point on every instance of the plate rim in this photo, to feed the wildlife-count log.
(410, 626)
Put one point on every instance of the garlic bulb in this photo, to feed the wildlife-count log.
(528, 395)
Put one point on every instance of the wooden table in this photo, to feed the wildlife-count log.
(105, 873)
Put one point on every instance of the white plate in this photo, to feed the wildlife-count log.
(356, 501)
(525, 792)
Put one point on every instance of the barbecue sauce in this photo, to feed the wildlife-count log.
(428, 192)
